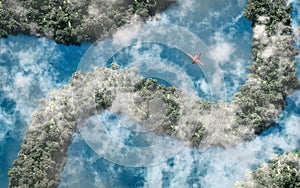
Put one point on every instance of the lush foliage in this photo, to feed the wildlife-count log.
(272, 75)
(272, 78)
(280, 171)
(72, 21)
(43, 152)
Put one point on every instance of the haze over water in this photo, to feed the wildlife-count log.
(32, 67)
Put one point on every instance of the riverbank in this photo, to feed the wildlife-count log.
(73, 22)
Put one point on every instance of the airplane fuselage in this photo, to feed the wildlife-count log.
(195, 58)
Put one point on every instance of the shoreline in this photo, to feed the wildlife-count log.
(73, 22)
(259, 94)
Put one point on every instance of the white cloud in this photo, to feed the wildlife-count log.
(268, 52)
(221, 50)
(217, 167)
(23, 83)
(224, 166)
(27, 75)
(203, 85)
(259, 32)
(263, 19)
(219, 164)
(124, 35)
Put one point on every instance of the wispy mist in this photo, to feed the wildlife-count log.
(31, 67)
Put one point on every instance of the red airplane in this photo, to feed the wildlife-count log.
(195, 58)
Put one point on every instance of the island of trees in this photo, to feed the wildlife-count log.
(73, 21)
(253, 110)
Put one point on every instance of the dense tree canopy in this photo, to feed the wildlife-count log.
(72, 21)
(280, 171)
(272, 75)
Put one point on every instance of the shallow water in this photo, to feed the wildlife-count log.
(32, 67)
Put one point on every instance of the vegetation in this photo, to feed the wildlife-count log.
(39, 164)
(198, 135)
(280, 171)
(272, 78)
(149, 89)
(43, 152)
(103, 99)
(70, 21)
(172, 98)
(272, 75)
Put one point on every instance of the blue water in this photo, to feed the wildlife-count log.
(125, 57)
(31, 67)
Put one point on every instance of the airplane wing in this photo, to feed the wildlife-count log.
(199, 62)
(190, 55)
(195, 59)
